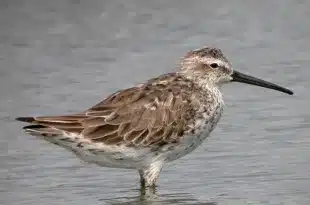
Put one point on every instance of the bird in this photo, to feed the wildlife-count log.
(152, 123)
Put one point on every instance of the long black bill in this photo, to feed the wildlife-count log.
(242, 78)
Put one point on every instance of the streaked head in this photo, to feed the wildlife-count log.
(208, 66)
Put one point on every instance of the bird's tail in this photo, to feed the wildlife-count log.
(52, 125)
(37, 129)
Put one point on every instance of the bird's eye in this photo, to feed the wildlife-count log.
(214, 65)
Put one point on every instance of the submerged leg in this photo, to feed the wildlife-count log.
(142, 179)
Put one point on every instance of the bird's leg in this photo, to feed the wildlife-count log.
(149, 175)
(147, 187)
(147, 180)
(142, 179)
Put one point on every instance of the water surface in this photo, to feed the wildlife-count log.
(63, 56)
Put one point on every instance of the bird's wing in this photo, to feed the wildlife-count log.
(138, 116)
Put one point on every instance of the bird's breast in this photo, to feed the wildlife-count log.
(205, 123)
(200, 129)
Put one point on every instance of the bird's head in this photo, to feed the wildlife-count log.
(209, 67)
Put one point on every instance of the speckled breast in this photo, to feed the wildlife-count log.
(202, 129)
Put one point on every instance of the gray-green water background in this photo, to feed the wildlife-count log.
(63, 56)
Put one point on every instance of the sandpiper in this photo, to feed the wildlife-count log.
(145, 126)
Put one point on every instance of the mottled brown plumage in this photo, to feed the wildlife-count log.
(156, 113)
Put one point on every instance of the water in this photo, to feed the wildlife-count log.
(64, 56)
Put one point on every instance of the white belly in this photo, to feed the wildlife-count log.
(104, 155)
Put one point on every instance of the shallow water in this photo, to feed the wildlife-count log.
(64, 56)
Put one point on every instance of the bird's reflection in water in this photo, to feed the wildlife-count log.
(151, 197)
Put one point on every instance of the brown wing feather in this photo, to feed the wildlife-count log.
(155, 113)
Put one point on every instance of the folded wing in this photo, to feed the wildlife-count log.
(138, 116)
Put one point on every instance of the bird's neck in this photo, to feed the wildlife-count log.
(215, 92)
(206, 86)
